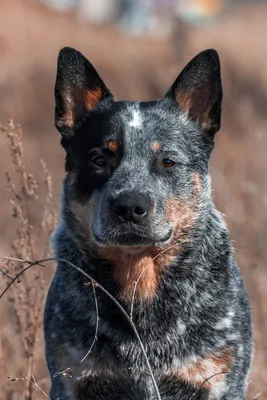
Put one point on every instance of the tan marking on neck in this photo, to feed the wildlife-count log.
(129, 267)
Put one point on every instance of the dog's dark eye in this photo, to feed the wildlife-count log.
(167, 163)
(99, 161)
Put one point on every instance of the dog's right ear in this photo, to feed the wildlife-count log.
(78, 90)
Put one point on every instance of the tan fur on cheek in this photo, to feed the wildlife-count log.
(183, 212)
(181, 215)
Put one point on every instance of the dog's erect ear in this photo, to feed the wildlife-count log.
(198, 91)
(78, 90)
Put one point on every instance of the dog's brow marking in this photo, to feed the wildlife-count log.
(136, 121)
(156, 146)
(113, 145)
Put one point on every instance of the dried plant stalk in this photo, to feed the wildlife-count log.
(27, 296)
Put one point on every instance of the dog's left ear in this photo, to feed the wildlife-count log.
(198, 91)
(78, 90)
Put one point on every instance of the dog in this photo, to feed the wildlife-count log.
(138, 217)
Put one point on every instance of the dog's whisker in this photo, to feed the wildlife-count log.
(165, 250)
(129, 267)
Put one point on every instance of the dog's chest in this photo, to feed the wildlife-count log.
(129, 364)
(172, 355)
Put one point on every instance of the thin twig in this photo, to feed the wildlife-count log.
(31, 264)
(96, 325)
(123, 311)
(5, 274)
(32, 381)
(39, 388)
(205, 381)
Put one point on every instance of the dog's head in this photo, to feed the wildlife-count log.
(137, 173)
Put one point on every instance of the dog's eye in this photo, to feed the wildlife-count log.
(167, 163)
(99, 161)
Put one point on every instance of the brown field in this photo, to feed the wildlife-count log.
(136, 69)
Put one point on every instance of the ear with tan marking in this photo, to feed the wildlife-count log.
(198, 91)
(78, 90)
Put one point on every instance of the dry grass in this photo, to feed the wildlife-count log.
(26, 297)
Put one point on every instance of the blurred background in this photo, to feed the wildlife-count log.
(139, 47)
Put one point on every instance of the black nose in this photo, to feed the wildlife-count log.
(131, 206)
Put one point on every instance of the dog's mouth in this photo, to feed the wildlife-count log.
(132, 242)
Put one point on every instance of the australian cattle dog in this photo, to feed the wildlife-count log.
(138, 217)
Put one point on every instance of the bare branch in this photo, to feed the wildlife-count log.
(31, 264)
(5, 274)
(33, 381)
(96, 325)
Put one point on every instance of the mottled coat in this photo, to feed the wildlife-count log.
(137, 215)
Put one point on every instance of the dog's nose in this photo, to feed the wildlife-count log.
(131, 206)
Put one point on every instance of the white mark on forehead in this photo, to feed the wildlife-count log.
(136, 119)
